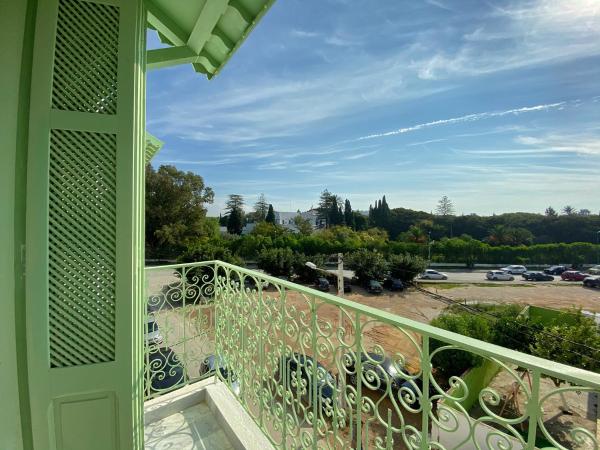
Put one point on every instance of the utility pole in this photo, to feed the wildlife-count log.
(340, 274)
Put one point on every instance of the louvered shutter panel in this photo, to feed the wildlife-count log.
(84, 200)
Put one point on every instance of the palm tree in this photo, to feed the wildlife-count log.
(498, 235)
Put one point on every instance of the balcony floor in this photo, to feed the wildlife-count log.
(193, 428)
(202, 415)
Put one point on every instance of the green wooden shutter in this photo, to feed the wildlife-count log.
(84, 201)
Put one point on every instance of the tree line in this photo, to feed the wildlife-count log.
(176, 222)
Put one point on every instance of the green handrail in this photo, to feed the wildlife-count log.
(310, 381)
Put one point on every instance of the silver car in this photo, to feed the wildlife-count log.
(499, 275)
(431, 274)
(152, 332)
(515, 269)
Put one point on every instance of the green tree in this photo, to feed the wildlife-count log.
(329, 209)
(406, 266)
(235, 221)
(235, 201)
(361, 222)
(270, 217)
(380, 214)
(454, 362)
(277, 261)
(367, 265)
(261, 208)
(550, 212)
(348, 215)
(577, 343)
(175, 212)
(445, 207)
(569, 210)
(303, 225)
(416, 234)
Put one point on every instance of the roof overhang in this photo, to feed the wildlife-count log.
(203, 33)
(153, 145)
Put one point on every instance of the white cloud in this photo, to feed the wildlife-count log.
(581, 144)
(438, 4)
(533, 32)
(216, 162)
(466, 118)
(304, 34)
(360, 155)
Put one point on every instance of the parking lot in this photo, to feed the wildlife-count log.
(478, 276)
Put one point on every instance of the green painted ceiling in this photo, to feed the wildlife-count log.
(204, 33)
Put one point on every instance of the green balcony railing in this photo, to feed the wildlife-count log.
(317, 371)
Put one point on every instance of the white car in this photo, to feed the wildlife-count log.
(595, 270)
(152, 334)
(499, 275)
(431, 274)
(515, 270)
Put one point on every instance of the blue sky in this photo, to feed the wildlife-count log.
(495, 104)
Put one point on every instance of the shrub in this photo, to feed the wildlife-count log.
(454, 362)
(367, 265)
(277, 261)
(406, 266)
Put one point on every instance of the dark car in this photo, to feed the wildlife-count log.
(347, 286)
(163, 371)
(393, 284)
(209, 367)
(537, 276)
(592, 282)
(387, 372)
(374, 287)
(555, 270)
(300, 369)
(573, 275)
(382, 366)
(322, 284)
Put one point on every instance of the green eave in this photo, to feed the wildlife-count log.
(203, 33)
(153, 145)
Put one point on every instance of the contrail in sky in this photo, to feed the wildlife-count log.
(467, 118)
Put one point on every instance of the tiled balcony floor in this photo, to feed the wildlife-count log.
(194, 428)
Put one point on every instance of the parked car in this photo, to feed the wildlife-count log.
(209, 366)
(595, 270)
(387, 372)
(299, 365)
(374, 287)
(592, 282)
(574, 275)
(152, 333)
(322, 284)
(431, 274)
(537, 276)
(499, 275)
(164, 371)
(382, 366)
(393, 284)
(347, 285)
(555, 270)
(514, 269)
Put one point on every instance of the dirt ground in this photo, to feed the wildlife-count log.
(574, 409)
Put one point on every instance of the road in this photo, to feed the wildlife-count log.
(478, 276)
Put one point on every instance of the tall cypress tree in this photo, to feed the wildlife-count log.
(348, 216)
(270, 215)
